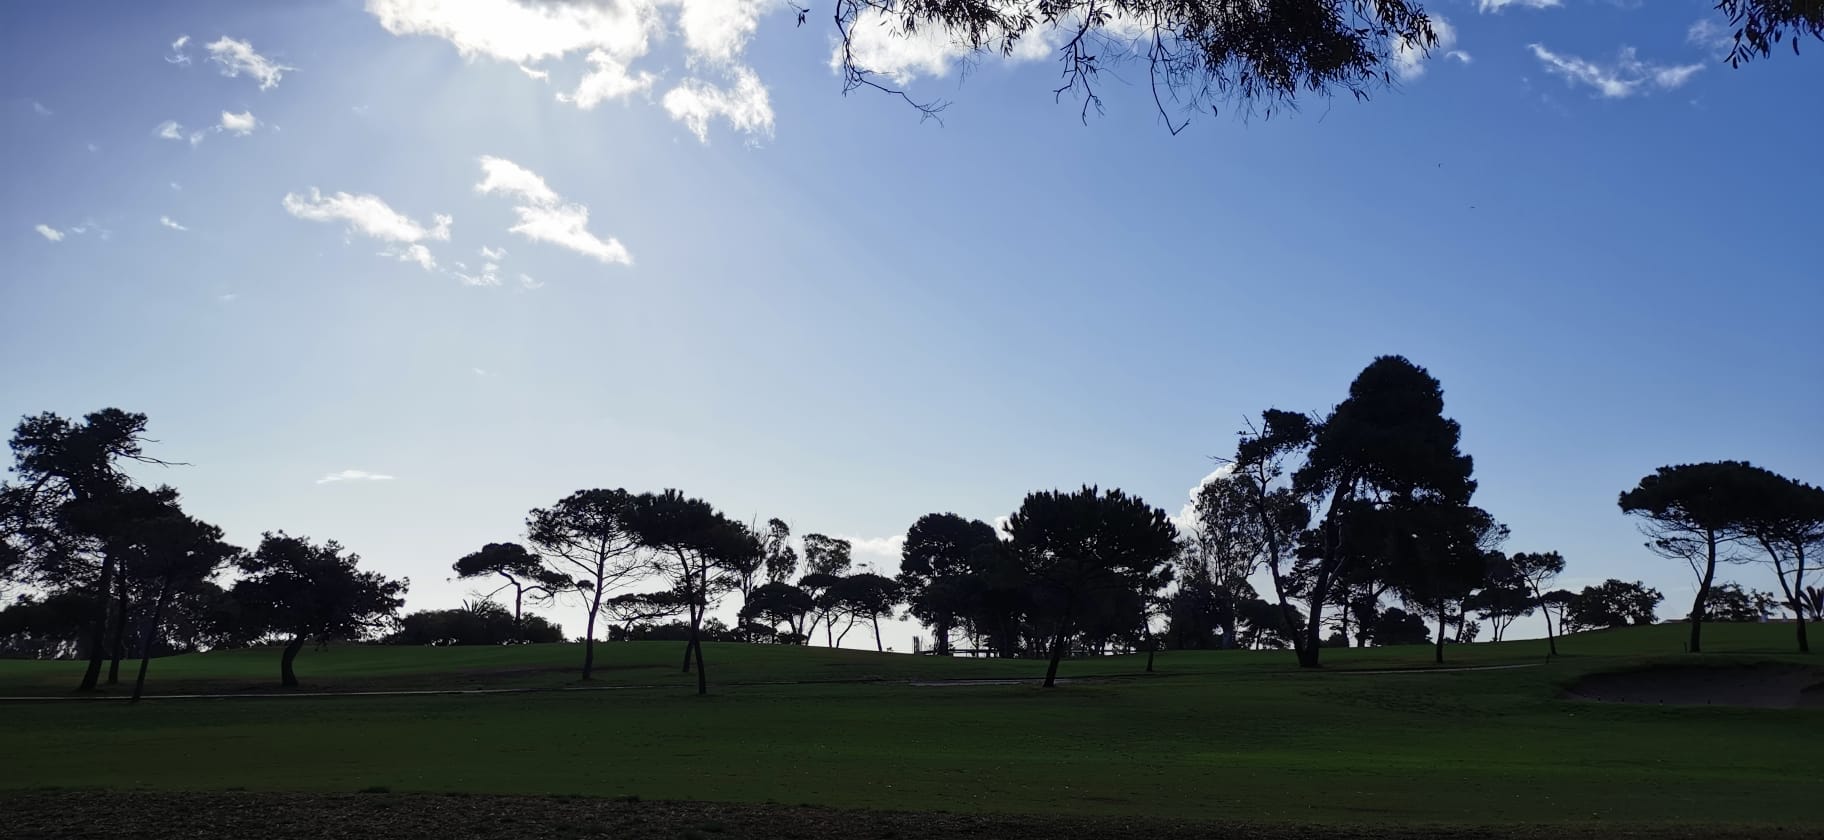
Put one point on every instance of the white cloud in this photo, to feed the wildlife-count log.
(880, 555)
(49, 232)
(612, 35)
(229, 297)
(717, 31)
(479, 371)
(1488, 6)
(171, 223)
(237, 57)
(1186, 518)
(178, 56)
(608, 80)
(746, 106)
(373, 217)
(353, 475)
(489, 276)
(413, 253)
(526, 282)
(169, 130)
(543, 215)
(1624, 77)
(499, 175)
(94, 148)
(492, 253)
(241, 124)
(1409, 56)
(1710, 35)
(1460, 55)
(177, 187)
(39, 109)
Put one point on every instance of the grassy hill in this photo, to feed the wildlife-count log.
(1236, 736)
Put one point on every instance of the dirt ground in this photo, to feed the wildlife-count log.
(1768, 686)
(370, 816)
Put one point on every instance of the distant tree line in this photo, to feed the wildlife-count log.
(1360, 520)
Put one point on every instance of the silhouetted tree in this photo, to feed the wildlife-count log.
(1196, 53)
(524, 572)
(175, 553)
(1687, 512)
(589, 537)
(826, 559)
(781, 560)
(1388, 442)
(1504, 597)
(777, 603)
(1395, 626)
(1760, 24)
(482, 622)
(1267, 624)
(1231, 543)
(48, 627)
(631, 608)
(867, 595)
(67, 472)
(1730, 603)
(306, 591)
(940, 569)
(1536, 571)
(1086, 547)
(1446, 555)
(693, 547)
(1786, 519)
(1612, 603)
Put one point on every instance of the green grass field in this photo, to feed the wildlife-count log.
(1219, 736)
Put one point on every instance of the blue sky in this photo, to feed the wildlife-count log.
(799, 304)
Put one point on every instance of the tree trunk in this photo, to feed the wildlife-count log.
(943, 636)
(120, 630)
(145, 642)
(98, 637)
(702, 675)
(1314, 630)
(1798, 606)
(1057, 652)
(877, 645)
(1152, 647)
(1438, 656)
(288, 678)
(519, 597)
(1703, 593)
(1551, 642)
(595, 607)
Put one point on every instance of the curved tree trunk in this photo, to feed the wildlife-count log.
(288, 677)
(145, 642)
(877, 645)
(98, 636)
(1703, 593)
(595, 608)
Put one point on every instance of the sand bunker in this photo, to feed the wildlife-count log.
(1767, 686)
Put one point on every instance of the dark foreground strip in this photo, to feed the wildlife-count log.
(39, 815)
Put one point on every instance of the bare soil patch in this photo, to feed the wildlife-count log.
(115, 815)
(1762, 686)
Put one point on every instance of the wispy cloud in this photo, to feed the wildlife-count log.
(228, 297)
(39, 109)
(237, 57)
(744, 104)
(353, 475)
(526, 282)
(371, 216)
(1712, 36)
(169, 130)
(1409, 56)
(178, 56)
(171, 223)
(543, 215)
(1496, 6)
(241, 124)
(1626, 76)
(49, 232)
(611, 36)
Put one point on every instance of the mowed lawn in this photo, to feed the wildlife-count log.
(1212, 736)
